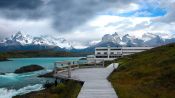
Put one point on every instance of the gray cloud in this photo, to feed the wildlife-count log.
(20, 4)
(66, 15)
(21, 9)
(73, 13)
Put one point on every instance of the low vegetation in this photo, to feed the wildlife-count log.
(150, 74)
(66, 89)
(3, 57)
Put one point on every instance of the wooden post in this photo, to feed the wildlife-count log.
(113, 65)
(78, 63)
(95, 62)
(103, 63)
(69, 70)
(122, 52)
(54, 69)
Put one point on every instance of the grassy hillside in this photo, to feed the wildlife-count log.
(42, 53)
(150, 74)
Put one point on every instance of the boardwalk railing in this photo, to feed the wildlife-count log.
(66, 67)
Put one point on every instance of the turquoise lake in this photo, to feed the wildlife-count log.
(11, 66)
(12, 84)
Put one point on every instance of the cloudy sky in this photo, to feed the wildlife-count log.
(83, 21)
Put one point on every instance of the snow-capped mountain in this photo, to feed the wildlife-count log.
(147, 39)
(115, 38)
(60, 42)
(22, 40)
(92, 43)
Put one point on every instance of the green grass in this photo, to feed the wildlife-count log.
(67, 89)
(149, 74)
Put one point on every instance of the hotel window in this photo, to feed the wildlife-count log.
(112, 52)
(118, 52)
(98, 53)
(116, 49)
(101, 56)
(105, 53)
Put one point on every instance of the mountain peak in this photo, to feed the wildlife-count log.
(17, 35)
(148, 39)
(115, 38)
(115, 34)
(20, 38)
(126, 35)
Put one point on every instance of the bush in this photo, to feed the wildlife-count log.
(59, 88)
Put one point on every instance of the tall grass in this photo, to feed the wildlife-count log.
(149, 74)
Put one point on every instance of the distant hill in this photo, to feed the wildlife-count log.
(42, 53)
(149, 74)
(3, 58)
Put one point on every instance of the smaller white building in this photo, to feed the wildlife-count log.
(110, 53)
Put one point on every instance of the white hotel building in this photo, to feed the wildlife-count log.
(110, 53)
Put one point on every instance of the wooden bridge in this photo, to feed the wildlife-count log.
(95, 80)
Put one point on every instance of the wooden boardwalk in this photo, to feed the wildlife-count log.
(95, 80)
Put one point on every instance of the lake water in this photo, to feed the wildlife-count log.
(12, 84)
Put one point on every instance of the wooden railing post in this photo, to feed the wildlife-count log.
(95, 62)
(78, 64)
(54, 69)
(103, 63)
(69, 70)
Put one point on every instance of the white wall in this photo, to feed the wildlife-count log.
(118, 51)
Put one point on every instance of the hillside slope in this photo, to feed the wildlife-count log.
(150, 74)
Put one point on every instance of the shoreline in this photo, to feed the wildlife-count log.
(62, 89)
(48, 87)
(16, 91)
(5, 60)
